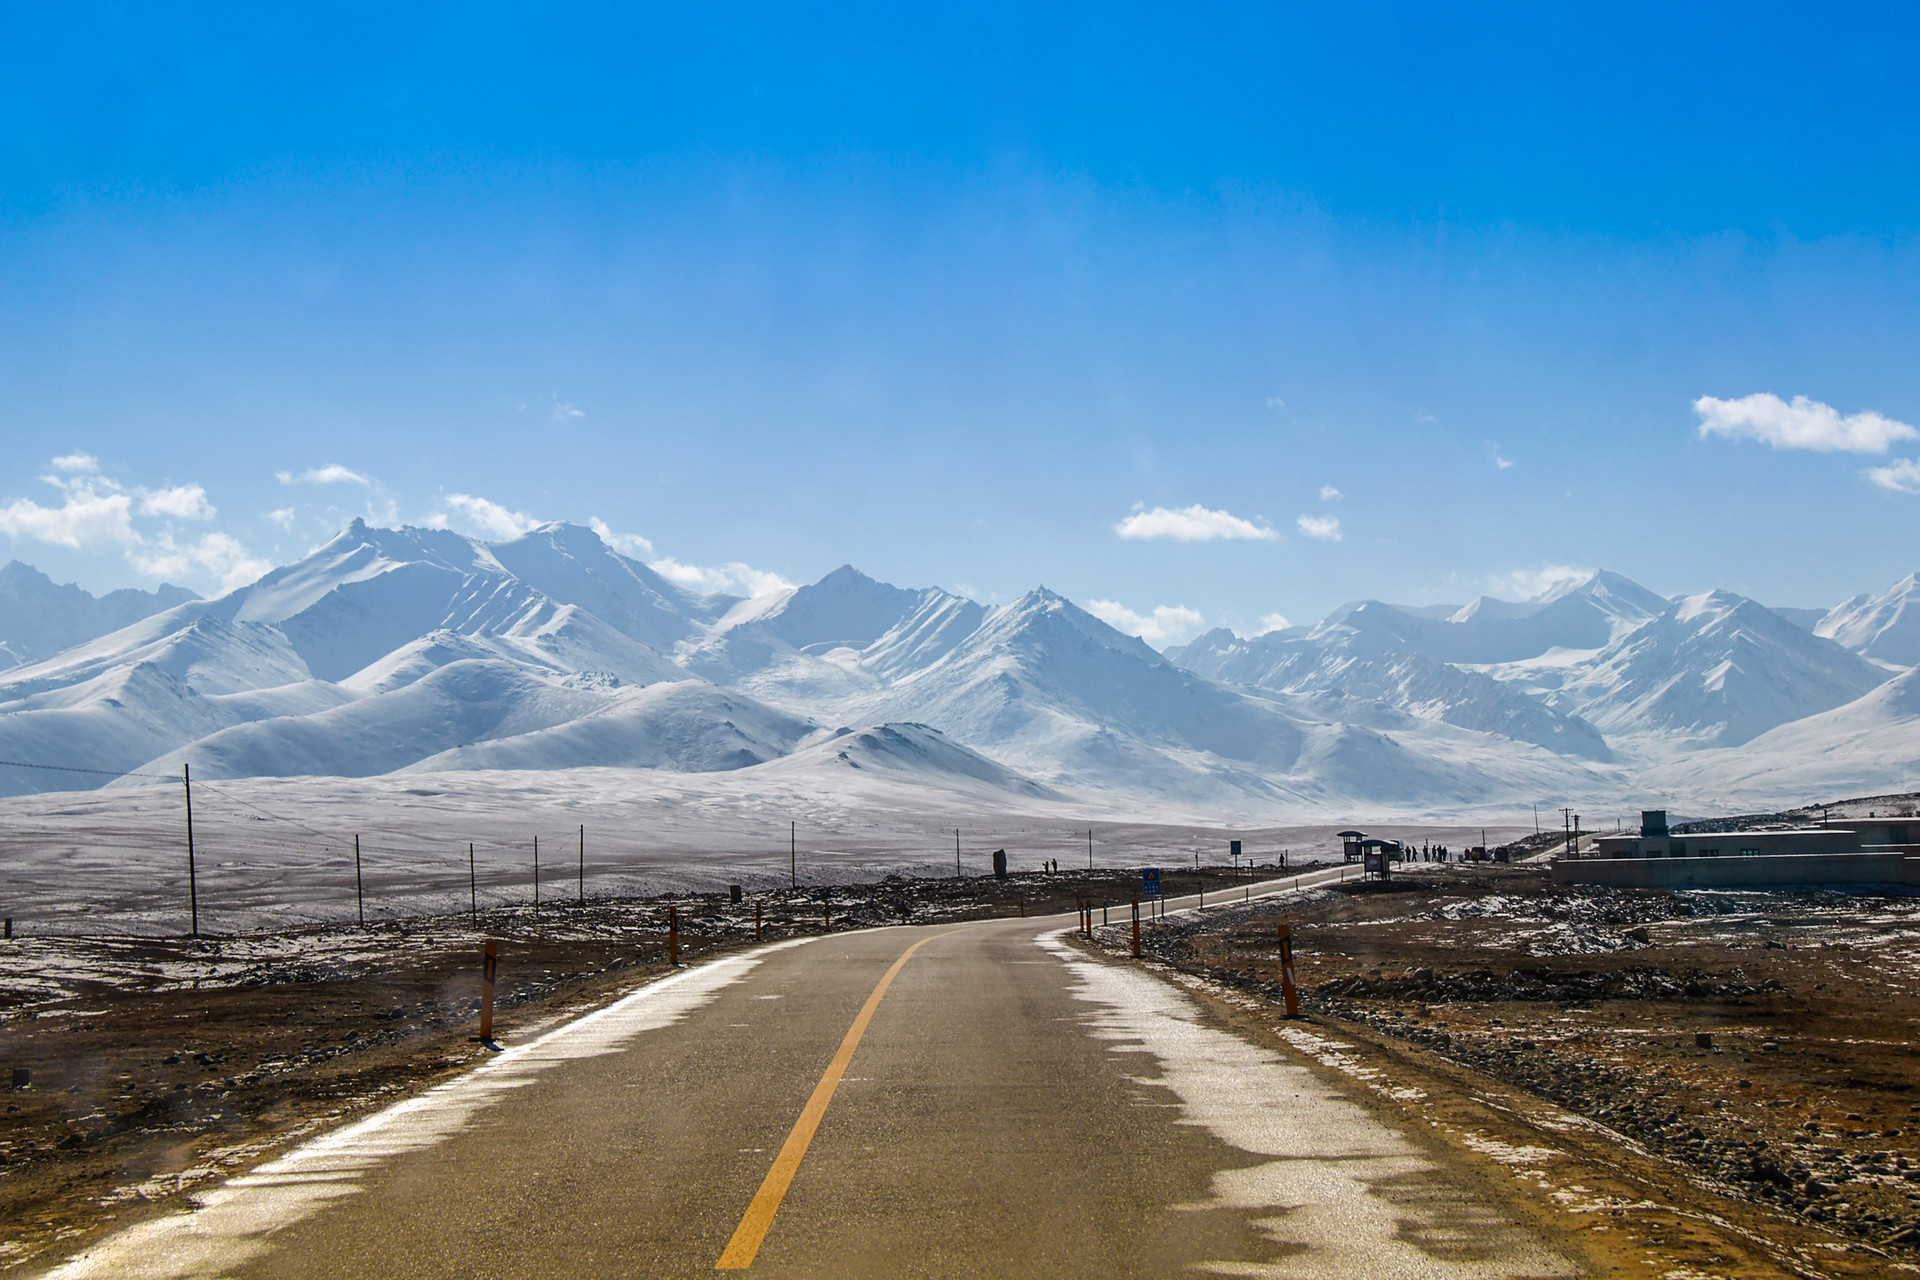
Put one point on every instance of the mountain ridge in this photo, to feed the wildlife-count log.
(421, 650)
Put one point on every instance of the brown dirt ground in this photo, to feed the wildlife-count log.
(1787, 1143)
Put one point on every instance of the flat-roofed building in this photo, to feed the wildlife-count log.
(1872, 852)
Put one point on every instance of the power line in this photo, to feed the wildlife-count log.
(105, 773)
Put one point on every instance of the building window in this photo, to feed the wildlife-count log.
(1708, 853)
(1749, 853)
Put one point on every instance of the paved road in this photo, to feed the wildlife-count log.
(979, 1099)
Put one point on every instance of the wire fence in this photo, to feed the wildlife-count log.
(117, 861)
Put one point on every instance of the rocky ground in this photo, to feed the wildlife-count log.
(1757, 1045)
(143, 1068)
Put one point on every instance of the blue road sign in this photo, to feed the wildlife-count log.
(1149, 882)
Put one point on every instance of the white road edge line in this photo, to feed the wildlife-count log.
(234, 1221)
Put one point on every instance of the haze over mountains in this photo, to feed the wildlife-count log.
(419, 650)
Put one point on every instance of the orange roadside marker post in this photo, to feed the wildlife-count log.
(1286, 971)
(489, 960)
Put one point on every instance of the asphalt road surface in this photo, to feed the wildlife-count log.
(974, 1099)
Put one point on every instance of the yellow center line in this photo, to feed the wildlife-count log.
(752, 1231)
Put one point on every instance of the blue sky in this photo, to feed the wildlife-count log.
(1315, 304)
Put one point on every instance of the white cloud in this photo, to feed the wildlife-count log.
(562, 412)
(1321, 528)
(182, 502)
(332, 473)
(1330, 494)
(282, 517)
(1902, 475)
(91, 517)
(1167, 624)
(1191, 524)
(1273, 622)
(216, 555)
(490, 517)
(733, 578)
(97, 513)
(1275, 402)
(1499, 460)
(1529, 584)
(1803, 424)
(627, 544)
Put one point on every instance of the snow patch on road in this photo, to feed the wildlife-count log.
(236, 1221)
(1340, 1194)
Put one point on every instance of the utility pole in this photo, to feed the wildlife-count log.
(359, 889)
(793, 854)
(536, 871)
(956, 853)
(473, 891)
(583, 864)
(1566, 824)
(193, 881)
(1089, 848)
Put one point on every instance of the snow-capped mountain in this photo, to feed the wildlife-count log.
(418, 650)
(1885, 627)
(1328, 667)
(1716, 668)
(39, 618)
(1584, 613)
(1870, 745)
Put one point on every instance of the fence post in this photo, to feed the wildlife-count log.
(1286, 971)
(193, 879)
(489, 957)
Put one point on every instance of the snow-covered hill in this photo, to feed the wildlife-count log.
(1885, 627)
(1329, 669)
(39, 618)
(1716, 668)
(1870, 745)
(1583, 613)
(421, 651)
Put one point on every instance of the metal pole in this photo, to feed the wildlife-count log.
(793, 854)
(1089, 848)
(359, 889)
(473, 891)
(583, 864)
(536, 871)
(956, 853)
(193, 880)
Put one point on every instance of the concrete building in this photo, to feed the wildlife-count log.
(1869, 853)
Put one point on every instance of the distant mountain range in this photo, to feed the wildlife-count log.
(419, 650)
(39, 618)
